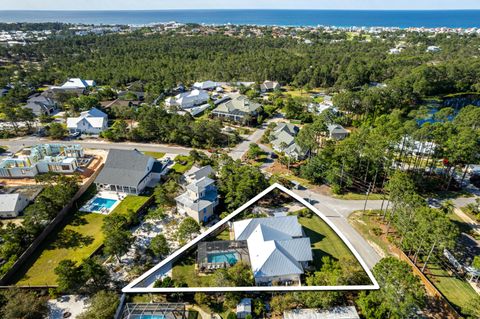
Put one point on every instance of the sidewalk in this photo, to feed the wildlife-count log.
(473, 224)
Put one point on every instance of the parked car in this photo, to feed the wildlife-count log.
(74, 135)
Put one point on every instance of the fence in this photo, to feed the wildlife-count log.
(429, 286)
(52, 226)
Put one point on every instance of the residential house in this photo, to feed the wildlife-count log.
(278, 250)
(236, 107)
(11, 205)
(42, 158)
(128, 171)
(337, 132)
(244, 308)
(129, 95)
(433, 49)
(41, 105)
(75, 85)
(207, 85)
(283, 140)
(196, 173)
(188, 99)
(269, 86)
(93, 121)
(200, 197)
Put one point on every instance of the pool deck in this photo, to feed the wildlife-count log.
(106, 195)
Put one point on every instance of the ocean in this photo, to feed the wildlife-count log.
(340, 18)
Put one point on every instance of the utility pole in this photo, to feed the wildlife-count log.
(366, 198)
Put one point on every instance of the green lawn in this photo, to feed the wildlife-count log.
(184, 271)
(131, 202)
(325, 241)
(357, 196)
(78, 240)
(156, 155)
(457, 291)
(182, 164)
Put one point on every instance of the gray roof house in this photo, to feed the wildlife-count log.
(277, 248)
(41, 105)
(236, 107)
(337, 132)
(200, 197)
(269, 86)
(127, 171)
(283, 140)
(11, 205)
(196, 173)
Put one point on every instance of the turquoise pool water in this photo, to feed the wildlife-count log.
(99, 203)
(147, 317)
(230, 258)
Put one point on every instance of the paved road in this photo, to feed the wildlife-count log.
(238, 151)
(15, 145)
(338, 211)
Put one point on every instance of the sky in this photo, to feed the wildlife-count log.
(242, 4)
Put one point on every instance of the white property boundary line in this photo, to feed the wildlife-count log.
(131, 287)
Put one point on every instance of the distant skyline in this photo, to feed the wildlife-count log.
(245, 4)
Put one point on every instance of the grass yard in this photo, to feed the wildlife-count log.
(155, 155)
(130, 203)
(358, 196)
(457, 291)
(325, 241)
(182, 164)
(184, 271)
(77, 241)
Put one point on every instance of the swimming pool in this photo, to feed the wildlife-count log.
(230, 258)
(146, 317)
(99, 203)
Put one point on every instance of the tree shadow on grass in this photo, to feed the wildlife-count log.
(69, 238)
(78, 219)
(318, 253)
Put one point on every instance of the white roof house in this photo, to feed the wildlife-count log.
(277, 249)
(75, 84)
(93, 121)
(207, 85)
(188, 99)
(433, 48)
(12, 204)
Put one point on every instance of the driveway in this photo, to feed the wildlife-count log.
(238, 151)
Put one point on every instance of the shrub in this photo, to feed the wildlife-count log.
(231, 315)
(377, 231)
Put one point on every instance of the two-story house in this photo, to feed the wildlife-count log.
(200, 197)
